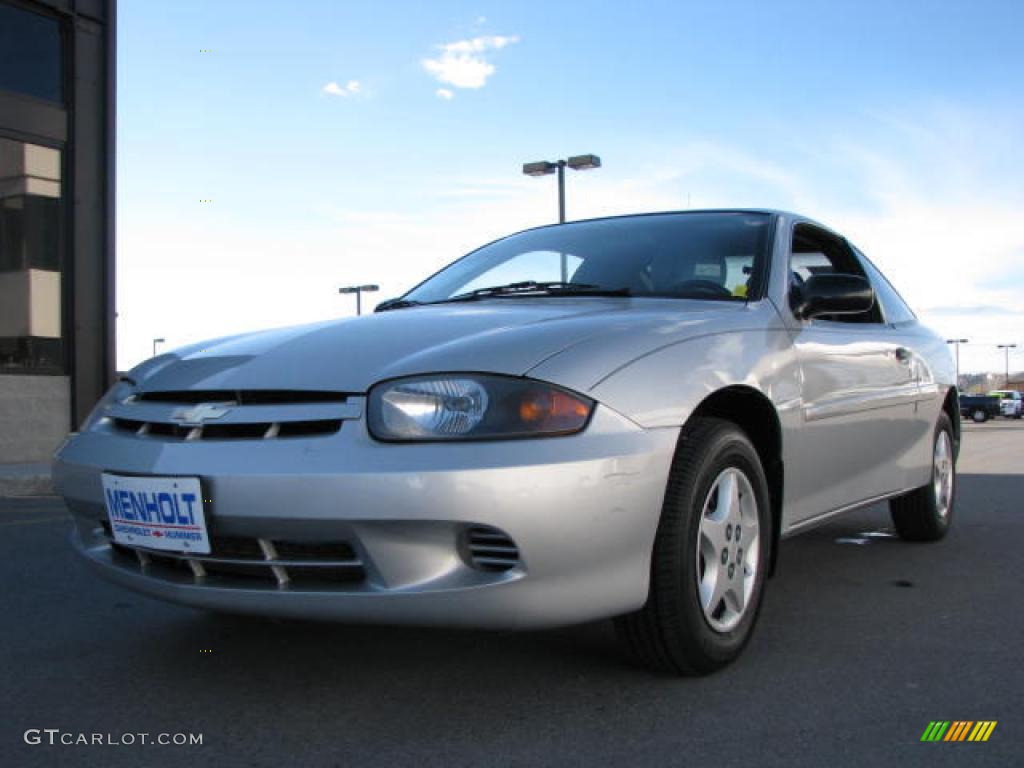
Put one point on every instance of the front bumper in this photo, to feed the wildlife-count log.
(582, 510)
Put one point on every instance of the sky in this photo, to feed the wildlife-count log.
(269, 153)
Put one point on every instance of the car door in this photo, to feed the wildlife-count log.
(859, 387)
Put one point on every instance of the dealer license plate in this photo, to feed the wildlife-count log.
(157, 513)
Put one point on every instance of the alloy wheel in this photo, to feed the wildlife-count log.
(728, 549)
(942, 475)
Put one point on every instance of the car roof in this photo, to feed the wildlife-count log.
(763, 211)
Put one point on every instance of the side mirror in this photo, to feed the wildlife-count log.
(833, 295)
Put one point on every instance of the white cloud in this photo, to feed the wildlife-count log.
(351, 88)
(464, 64)
(444, 93)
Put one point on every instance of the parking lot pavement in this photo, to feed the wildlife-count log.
(861, 644)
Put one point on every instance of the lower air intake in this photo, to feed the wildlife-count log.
(490, 549)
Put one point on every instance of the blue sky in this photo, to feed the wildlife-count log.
(348, 142)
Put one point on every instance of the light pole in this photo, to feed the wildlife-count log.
(546, 168)
(155, 342)
(359, 290)
(1006, 351)
(956, 343)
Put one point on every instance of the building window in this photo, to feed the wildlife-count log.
(30, 257)
(30, 54)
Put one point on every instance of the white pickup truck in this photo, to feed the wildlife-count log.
(1011, 402)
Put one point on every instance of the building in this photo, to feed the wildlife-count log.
(56, 218)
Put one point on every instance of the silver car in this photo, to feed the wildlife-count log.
(611, 418)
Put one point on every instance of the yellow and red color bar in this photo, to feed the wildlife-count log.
(958, 730)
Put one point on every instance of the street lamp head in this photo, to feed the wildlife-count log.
(541, 168)
(369, 288)
(1006, 346)
(584, 162)
(957, 341)
(159, 341)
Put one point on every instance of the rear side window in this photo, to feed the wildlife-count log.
(894, 308)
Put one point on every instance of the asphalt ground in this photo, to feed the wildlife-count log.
(863, 640)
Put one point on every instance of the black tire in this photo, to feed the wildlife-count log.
(671, 634)
(918, 515)
(978, 416)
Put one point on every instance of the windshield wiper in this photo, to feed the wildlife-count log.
(535, 288)
(522, 288)
(384, 306)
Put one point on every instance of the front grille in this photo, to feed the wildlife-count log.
(490, 549)
(308, 428)
(246, 561)
(238, 547)
(260, 430)
(242, 396)
(248, 414)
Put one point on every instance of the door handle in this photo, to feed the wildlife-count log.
(903, 354)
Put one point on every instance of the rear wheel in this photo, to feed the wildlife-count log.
(709, 558)
(925, 514)
(979, 416)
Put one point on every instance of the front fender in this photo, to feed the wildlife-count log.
(664, 387)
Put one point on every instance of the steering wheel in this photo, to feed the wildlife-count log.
(701, 288)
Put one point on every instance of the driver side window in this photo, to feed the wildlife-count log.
(817, 252)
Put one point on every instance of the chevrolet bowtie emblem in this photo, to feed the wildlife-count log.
(197, 414)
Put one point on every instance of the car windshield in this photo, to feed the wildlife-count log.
(701, 255)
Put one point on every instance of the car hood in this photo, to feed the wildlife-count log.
(505, 336)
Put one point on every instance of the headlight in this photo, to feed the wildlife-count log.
(473, 407)
(121, 391)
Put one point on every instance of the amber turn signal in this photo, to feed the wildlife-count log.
(553, 410)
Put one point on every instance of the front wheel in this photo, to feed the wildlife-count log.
(926, 513)
(710, 555)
